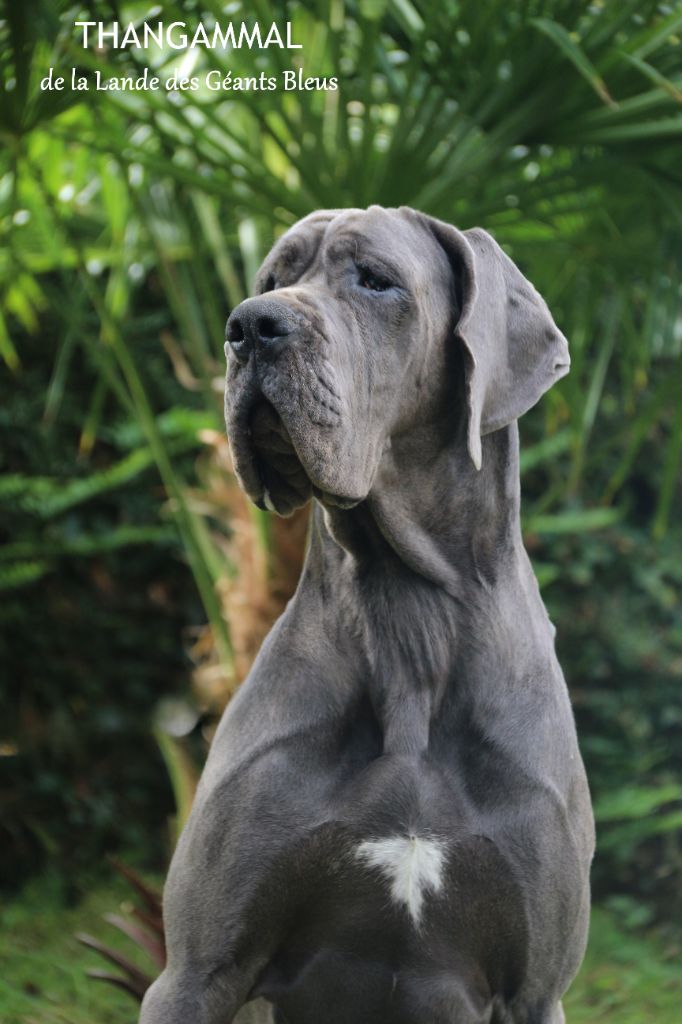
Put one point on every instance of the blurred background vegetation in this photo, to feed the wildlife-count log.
(137, 583)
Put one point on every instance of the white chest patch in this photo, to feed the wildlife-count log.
(412, 864)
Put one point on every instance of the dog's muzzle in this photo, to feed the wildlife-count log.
(260, 333)
(259, 329)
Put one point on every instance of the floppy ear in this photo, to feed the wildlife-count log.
(513, 349)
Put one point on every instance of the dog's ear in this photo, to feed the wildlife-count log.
(513, 349)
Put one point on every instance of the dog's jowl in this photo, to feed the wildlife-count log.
(393, 826)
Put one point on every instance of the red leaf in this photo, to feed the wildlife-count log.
(151, 945)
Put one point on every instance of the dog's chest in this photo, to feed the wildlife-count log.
(391, 928)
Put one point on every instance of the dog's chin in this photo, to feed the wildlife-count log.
(271, 469)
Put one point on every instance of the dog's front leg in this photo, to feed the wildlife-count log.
(190, 997)
(257, 1012)
(181, 997)
(235, 881)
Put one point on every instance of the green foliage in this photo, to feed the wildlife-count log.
(89, 572)
(43, 978)
(625, 979)
(142, 923)
(616, 603)
(131, 223)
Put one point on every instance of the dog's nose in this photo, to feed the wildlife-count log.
(262, 323)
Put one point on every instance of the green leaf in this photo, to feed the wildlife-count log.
(20, 573)
(654, 76)
(570, 49)
(634, 802)
(7, 349)
(624, 838)
(579, 521)
(545, 450)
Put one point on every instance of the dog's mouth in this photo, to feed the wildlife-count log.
(280, 481)
(285, 485)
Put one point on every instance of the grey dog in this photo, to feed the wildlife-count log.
(393, 825)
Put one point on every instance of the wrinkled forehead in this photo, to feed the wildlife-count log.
(397, 237)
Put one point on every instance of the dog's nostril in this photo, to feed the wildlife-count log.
(235, 331)
(268, 327)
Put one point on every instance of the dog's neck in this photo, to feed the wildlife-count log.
(432, 513)
(427, 577)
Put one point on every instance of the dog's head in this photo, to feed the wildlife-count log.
(345, 346)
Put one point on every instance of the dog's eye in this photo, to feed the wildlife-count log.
(373, 281)
(269, 285)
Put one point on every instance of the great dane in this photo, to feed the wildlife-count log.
(393, 825)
